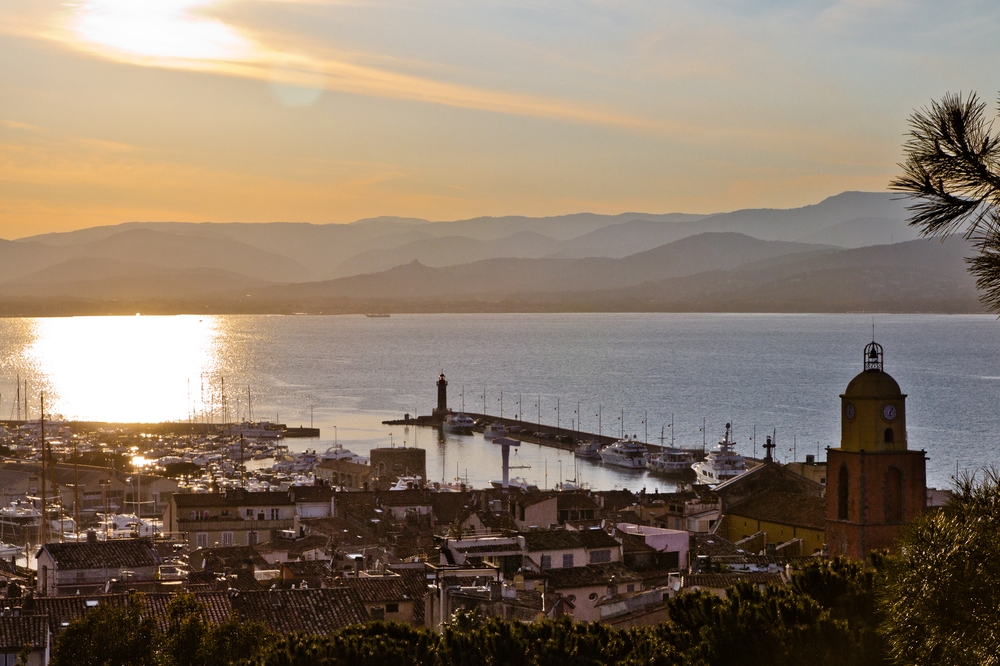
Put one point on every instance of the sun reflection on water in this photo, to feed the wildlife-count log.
(124, 369)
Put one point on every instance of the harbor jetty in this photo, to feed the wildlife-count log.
(535, 432)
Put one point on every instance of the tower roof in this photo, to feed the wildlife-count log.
(873, 384)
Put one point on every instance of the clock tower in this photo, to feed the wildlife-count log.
(875, 484)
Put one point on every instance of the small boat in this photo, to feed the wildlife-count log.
(669, 461)
(515, 482)
(721, 464)
(406, 483)
(460, 423)
(9, 550)
(628, 452)
(338, 452)
(494, 430)
(20, 513)
(588, 449)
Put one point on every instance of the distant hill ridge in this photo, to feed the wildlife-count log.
(578, 261)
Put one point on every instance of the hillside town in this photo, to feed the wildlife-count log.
(349, 544)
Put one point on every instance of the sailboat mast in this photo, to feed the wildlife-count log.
(76, 489)
(44, 532)
(18, 401)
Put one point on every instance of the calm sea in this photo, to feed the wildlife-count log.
(346, 374)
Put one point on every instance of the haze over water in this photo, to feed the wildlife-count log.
(782, 372)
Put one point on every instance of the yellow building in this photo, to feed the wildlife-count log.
(781, 516)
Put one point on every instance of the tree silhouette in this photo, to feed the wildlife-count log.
(941, 596)
(952, 171)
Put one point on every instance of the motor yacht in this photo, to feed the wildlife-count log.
(626, 452)
(721, 464)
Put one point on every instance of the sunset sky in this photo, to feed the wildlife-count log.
(333, 110)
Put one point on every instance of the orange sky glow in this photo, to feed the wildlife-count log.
(334, 110)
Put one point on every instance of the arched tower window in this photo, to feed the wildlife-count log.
(842, 493)
(893, 493)
(888, 436)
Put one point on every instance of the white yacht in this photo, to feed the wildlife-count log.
(669, 461)
(721, 464)
(338, 452)
(627, 452)
(516, 482)
(406, 483)
(460, 422)
(588, 449)
(495, 430)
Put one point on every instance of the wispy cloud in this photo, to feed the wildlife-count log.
(184, 35)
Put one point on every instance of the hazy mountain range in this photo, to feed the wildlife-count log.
(853, 251)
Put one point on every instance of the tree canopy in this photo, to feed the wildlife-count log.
(952, 172)
(941, 594)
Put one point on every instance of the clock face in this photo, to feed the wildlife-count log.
(849, 411)
(889, 412)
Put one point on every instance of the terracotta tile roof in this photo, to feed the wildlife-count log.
(307, 567)
(382, 589)
(590, 575)
(536, 540)
(311, 611)
(724, 580)
(447, 507)
(531, 499)
(116, 553)
(631, 517)
(343, 534)
(215, 606)
(784, 508)
(596, 539)
(497, 520)
(16, 632)
(710, 544)
(294, 548)
(60, 611)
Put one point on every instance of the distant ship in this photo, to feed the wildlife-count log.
(377, 314)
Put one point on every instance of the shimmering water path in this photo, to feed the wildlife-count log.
(781, 372)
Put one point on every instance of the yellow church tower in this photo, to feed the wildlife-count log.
(875, 484)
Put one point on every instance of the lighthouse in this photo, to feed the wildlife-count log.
(441, 411)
